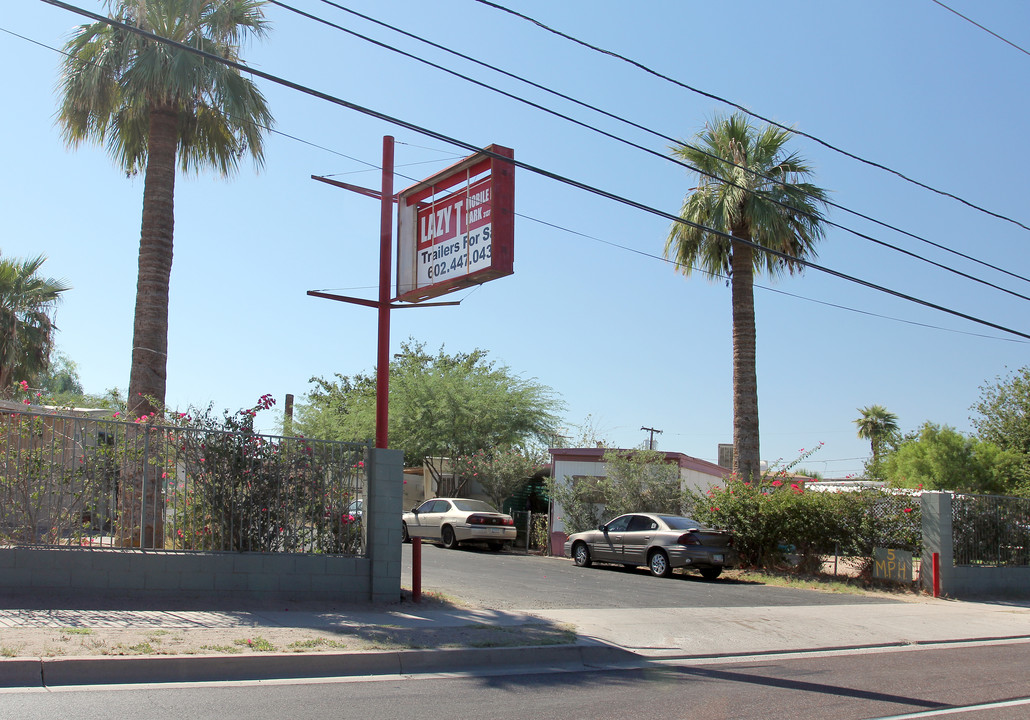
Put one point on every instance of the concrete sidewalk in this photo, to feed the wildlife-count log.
(407, 639)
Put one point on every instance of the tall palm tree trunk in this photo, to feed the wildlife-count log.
(746, 458)
(141, 506)
(147, 377)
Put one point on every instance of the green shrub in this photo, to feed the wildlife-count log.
(775, 518)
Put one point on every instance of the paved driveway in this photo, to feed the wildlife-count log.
(512, 580)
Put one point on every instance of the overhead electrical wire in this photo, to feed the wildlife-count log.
(665, 157)
(647, 130)
(652, 256)
(743, 109)
(986, 30)
(373, 166)
(518, 163)
(650, 151)
(766, 287)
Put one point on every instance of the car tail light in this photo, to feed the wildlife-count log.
(489, 520)
(688, 539)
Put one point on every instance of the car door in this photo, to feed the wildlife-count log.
(609, 545)
(434, 518)
(424, 520)
(635, 541)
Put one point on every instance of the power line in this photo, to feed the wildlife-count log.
(771, 289)
(986, 30)
(650, 151)
(520, 164)
(743, 109)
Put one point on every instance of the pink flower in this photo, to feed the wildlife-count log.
(908, 510)
(27, 401)
(116, 414)
(776, 483)
(24, 385)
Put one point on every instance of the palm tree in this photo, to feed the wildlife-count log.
(750, 198)
(26, 326)
(876, 425)
(152, 105)
(155, 106)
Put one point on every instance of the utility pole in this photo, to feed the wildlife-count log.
(650, 443)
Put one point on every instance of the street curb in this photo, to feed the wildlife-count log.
(21, 672)
(110, 670)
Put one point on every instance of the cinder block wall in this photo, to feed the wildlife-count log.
(231, 576)
(254, 576)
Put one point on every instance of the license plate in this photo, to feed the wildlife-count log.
(495, 531)
(717, 558)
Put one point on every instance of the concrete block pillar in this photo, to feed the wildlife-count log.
(937, 538)
(383, 523)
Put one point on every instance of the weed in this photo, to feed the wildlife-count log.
(258, 644)
(314, 644)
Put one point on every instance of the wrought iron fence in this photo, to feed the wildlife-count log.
(990, 530)
(75, 480)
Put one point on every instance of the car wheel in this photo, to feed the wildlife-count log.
(659, 564)
(711, 573)
(447, 536)
(581, 555)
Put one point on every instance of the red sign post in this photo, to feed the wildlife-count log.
(455, 229)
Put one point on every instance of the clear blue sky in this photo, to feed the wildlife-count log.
(617, 333)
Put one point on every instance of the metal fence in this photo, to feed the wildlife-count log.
(990, 530)
(75, 480)
(531, 531)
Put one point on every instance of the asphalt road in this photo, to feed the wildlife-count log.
(990, 682)
(512, 580)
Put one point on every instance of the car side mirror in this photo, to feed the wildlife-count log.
(602, 528)
(414, 510)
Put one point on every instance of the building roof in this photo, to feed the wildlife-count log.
(596, 454)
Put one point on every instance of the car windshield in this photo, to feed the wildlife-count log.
(473, 506)
(681, 523)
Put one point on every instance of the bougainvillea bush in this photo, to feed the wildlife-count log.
(230, 488)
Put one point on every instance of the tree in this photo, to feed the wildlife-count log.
(152, 105)
(1004, 412)
(641, 481)
(877, 425)
(938, 457)
(27, 301)
(441, 406)
(501, 472)
(61, 380)
(750, 199)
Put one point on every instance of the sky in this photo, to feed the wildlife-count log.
(592, 310)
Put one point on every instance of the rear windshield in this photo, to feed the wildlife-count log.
(473, 506)
(681, 523)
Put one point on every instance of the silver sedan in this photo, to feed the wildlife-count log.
(660, 542)
(450, 521)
